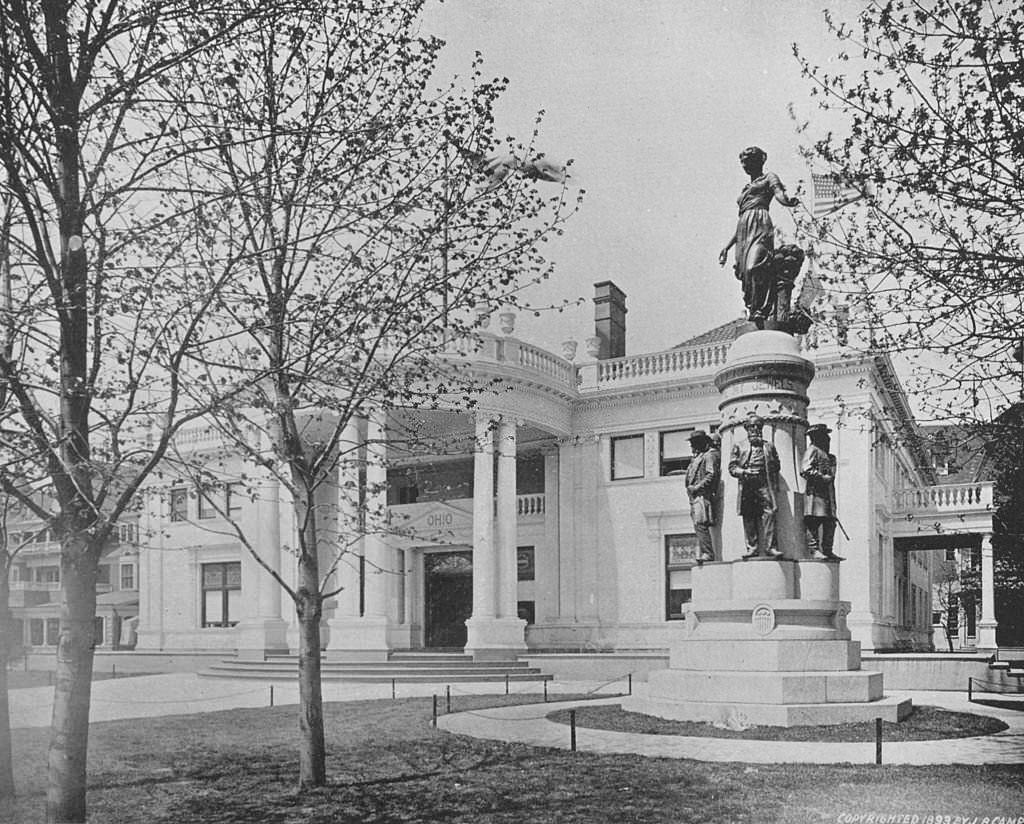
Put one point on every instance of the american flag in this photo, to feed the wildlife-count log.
(832, 193)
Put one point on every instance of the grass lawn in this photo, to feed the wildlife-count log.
(923, 724)
(386, 764)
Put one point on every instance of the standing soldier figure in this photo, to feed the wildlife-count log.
(818, 470)
(756, 464)
(702, 476)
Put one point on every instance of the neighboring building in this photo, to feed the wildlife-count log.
(555, 516)
(35, 583)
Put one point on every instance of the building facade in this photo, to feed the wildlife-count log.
(551, 517)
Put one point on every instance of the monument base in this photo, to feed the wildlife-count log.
(780, 660)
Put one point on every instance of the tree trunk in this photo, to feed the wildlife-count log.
(312, 751)
(6, 645)
(69, 739)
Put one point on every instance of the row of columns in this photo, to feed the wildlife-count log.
(495, 629)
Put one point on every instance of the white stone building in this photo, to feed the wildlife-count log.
(561, 522)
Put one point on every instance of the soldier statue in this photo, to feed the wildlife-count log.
(702, 477)
(818, 470)
(756, 464)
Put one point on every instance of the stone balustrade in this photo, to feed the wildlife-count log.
(945, 498)
(532, 504)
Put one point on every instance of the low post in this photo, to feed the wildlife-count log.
(433, 721)
(271, 695)
(113, 670)
(392, 689)
(878, 740)
(630, 684)
(970, 685)
(545, 682)
(448, 699)
(506, 683)
(572, 730)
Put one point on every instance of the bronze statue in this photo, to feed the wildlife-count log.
(818, 469)
(702, 477)
(755, 241)
(756, 464)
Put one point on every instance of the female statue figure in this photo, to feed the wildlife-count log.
(754, 238)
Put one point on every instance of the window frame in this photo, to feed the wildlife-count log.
(685, 460)
(130, 569)
(178, 504)
(223, 587)
(615, 440)
(206, 510)
(677, 562)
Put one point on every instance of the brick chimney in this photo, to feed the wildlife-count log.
(610, 319)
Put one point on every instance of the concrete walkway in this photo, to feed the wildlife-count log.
(147, 696)
(187, 694)
(528, 725)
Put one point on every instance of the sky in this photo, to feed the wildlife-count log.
(653, 100)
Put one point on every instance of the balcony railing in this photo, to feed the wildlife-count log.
(969, 497)
(653, 367)
(532, 504)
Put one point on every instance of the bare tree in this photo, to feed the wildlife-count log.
(928, 105)
(94, 338)
(363, 223)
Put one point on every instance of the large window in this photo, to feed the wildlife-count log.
(675, 454)
(179, 503)
(525, 563)
(680, 556)
(48, 574)
(206, 508)
(127, 576)
(222, 591)
(234, 497)
(627, 457)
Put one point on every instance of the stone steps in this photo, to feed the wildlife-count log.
(400, 668)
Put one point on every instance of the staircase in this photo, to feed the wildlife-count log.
(401, 667)
(1009, 660)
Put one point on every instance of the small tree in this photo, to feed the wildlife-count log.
(93, 339)
(929, 102)
(349, 200)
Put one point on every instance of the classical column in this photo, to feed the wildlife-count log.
(484, 589)
(349, 541)
(494, 630)
(266, 630)
(365, 637)
(986, 639)
(507, 511)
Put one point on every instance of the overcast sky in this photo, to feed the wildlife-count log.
(654, 100)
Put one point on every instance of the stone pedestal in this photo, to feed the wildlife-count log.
(495, 639)
(765, 639)
(358, 639)
(257, 638)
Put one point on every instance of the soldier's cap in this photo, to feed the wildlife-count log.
(700, 435)
(754, 420)
(817, 429)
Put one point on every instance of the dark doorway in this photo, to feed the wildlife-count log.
(449, 597)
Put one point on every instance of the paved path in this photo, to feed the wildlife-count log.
(528, 725)
(187, 693)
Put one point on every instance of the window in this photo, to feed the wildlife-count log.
(179, 503)
(97, 631)
(408, 494)
(525, 563)
(206, 508)
(680, 556)
(527, 610)
(48, 574)
(675, 452)
(127, 576)
(222, 591)
(234, 495)
(627, 457)
(52, 631)
(37, 632)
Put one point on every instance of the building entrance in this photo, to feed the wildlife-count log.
(448, 596)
